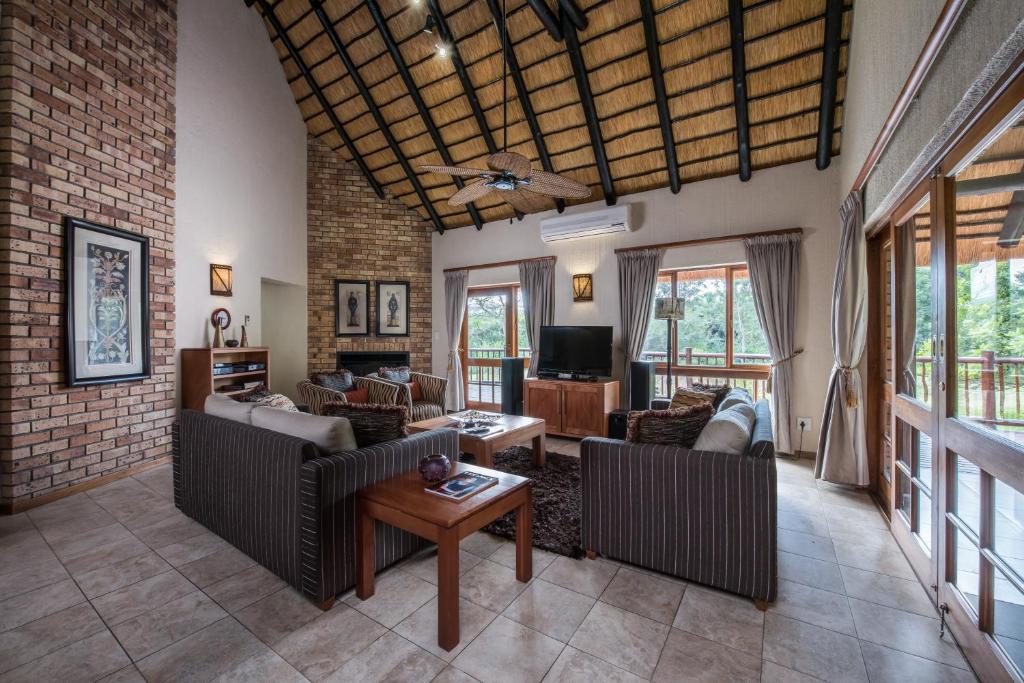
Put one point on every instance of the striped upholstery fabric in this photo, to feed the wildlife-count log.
(432, 388)
(329, 484)
(316, 396)
(703, 516)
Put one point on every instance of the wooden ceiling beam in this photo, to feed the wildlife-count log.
(268, 12)
(524, 97)
(1013, 223)
(574, 13)
(739, 80)
(421, 107)
(579, 70)
(664, 116)
(357, 79)
(829, 81)
(547, 18)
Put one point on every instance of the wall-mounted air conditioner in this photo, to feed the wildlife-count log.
(609, 220)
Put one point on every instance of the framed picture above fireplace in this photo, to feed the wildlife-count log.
(393, 309)
(352, 308)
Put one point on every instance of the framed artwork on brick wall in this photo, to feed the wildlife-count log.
(106, 294)
(352, 308)
(393, 309)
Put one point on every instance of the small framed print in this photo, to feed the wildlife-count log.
(352, 308)
(393, 309)
(106, 287)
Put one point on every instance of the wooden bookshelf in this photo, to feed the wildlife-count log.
(198, 380)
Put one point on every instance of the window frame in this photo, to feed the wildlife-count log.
(513, 292)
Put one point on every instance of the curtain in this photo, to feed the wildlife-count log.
(906, 326)
(842, 454)
(638, 277)
(773, 262)
(456, 293)
(537, 284)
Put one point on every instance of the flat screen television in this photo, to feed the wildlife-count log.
(582, 350)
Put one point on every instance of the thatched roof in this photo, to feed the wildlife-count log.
(783, 46)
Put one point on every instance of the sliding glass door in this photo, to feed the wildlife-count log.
(493, 328)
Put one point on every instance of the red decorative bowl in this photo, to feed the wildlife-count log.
(433, 468)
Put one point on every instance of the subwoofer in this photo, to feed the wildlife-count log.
(512, 373)
(641, 384)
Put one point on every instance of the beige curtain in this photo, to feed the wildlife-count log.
(456, 293)
(842, 456)
(537, 284)
(638, 276)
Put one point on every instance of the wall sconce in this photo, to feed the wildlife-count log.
(220, 280)
(583, 287)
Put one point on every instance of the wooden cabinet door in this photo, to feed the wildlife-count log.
(544, 400)
(583, 409)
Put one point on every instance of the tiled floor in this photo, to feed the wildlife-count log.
(116, 583)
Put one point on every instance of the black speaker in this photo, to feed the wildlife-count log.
(617, 424)
(641, 384)
(512, 371)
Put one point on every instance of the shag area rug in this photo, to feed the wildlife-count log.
(557, 500)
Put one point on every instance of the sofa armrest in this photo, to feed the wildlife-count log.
(328, 488)
(381, 392)
(316, 396)
(661, 403)
(701, 515)
(403, 398)
(432, 387)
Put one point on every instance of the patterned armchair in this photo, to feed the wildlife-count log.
(316, 396)
(432, 395)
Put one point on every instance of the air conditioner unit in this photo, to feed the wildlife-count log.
(610, 220)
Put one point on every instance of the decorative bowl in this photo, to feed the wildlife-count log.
(433, 468)
(231, 343)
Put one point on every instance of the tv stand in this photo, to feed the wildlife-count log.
(566, 376)
(571, 407)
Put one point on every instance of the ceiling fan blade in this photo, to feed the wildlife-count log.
(525, 201)
(516, 164)
(455, 170)
(471, 192)
(554, 185)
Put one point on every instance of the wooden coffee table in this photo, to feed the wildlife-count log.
(402, 502)
(517, 429)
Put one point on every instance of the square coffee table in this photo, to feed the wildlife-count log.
(515, 429)
(402, 502)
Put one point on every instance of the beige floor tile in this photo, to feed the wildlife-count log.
(814, 606)
(202, 544)
(773, 673)
(35, 570)
(812, 650)
(845, 497)
(156, 629)
(216, 566)
(890, 666)
(278, 614)
(141, 508)
(810, 572)
(129, 674)
(244, 588)
(159, 479)
(390, 658)
(550, 609)
(86, 660)
(175, 528)
(804, 522)
(622, 638)
(644, 594)
(575, 666)
(453, 675)
(882, 559)
(420, 627)
(589, 577)
(70, 546)
(891, 591)
(48, 634)
(320, 647)
(910, 633)
(506, 556)
(264, 666)
(507, 652)
(67, 518)
(424, 564)
(144, 596)
(120, 574)
(845, 517)
(38, 603)
(721, 617)
(687, 658)
(490, 585)
(396, 596)
(808, 545)
(482, 544)
(202, 656)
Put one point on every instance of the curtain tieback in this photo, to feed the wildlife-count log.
(452, 355)
(779, 362)
(851, 398)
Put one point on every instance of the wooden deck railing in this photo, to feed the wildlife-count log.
(988, 387)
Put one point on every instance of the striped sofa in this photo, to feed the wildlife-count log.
(433, 389)
(316, 396)
(286, 504)
(703, 516)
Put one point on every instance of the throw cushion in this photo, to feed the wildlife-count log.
(688, 397)
(328, 433)
(358, 395)
(371, 424)
(727, 432)
(719, 390)
(229, 409)
(400, 374)
(736, 396)
(340, 381)
(264, 397)
(415, 393)
(677, 427)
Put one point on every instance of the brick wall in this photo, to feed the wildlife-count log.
(86, 129)
(353, 234)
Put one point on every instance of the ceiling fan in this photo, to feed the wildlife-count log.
(509, 174)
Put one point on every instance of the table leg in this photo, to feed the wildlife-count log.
(540, 452)
(484, 457)
(524, 538)
(364, 553)
(448, 589)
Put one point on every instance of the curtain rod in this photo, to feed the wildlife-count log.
(711, 240)
(499, 264)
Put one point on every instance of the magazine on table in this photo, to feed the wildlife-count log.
(462, 485)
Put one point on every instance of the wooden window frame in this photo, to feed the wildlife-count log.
(512, 291)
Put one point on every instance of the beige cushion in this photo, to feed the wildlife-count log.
(688, 397)
(228, 408)
(727, 432)
(328, 433)
(736, 397)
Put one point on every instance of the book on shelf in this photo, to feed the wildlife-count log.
(462, 485)
(252, 385)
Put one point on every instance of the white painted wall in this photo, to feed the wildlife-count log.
(241, 168)
(285, 324)
(797, 195)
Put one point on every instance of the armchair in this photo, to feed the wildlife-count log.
(316, 397)
(432, 395)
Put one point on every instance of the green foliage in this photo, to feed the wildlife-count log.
(994, 325)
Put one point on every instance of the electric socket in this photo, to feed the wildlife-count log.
(804, 424)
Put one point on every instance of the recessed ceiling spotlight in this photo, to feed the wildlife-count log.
(442, 50)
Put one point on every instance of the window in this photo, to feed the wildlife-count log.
(494, 328)
(720, 336)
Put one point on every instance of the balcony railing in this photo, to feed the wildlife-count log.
(988, 387)
(748, 371)
(483, 372)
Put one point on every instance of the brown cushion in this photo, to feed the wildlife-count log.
(371, 424)
(688, 397)
(719, 390)
(402, 373)
(415, 393)
(677, 427)
(358, 395)
(340, 381)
